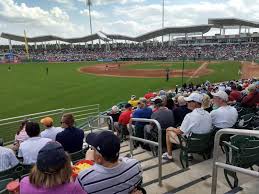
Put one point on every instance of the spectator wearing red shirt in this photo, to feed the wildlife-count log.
(252, 98)
(124, 119)
(235, 95)
(149, 95)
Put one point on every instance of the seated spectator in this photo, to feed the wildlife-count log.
(224, 116)
(163, 115)
(115, 114)
(71, 138)
(252, 97)
(198, 122)
(235, 95)
(124, 119)
(149, 95)
(7, 158)
(110, 174)
(142, 112)
(50, 131)
(133, 101)
(180, 111)
(206, 104)
(30, 148)
(20, 136)
(51, 174)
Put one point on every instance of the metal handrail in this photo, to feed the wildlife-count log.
(217, 164)
(158, 144)
(88, 123)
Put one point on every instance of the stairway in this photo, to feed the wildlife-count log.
(196, 179)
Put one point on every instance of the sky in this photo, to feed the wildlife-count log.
(69, 18)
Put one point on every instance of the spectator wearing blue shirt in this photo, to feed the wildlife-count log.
(142, 112)
(71, 138)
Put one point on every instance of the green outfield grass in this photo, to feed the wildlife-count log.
(27, 89)
(164, 65)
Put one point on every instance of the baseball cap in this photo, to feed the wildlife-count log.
(51, 158)
(115, 109)
(143, 100)
(221, 94)
(46, 121)
(128, 105)
(157, 100)
(196, 97)
(133, 97)
(106, 143)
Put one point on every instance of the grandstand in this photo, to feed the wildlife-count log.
(218, 167)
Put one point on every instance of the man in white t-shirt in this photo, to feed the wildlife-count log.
(50, 131)
(30, 148)
(198, 122)
(224, 116)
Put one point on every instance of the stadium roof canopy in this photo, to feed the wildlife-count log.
(201, 29)
(221, 22)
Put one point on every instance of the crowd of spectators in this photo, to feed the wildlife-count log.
(79, 53)
(191, 109)
(198, 109)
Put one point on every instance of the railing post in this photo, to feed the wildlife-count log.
(158, 144)
(130, 139)
(216, 151)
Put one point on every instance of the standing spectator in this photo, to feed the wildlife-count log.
(124, 119)
(198, 122)
(7, 159)
(50, 131)
(252, 98)
(109, 174)
(142, 112)
(51, 174)
(180, 111)
(224, 116)
(71, 138)
(133, 101)
(30, 148)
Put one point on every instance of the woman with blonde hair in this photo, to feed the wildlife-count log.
(51, 174)
(206, 103)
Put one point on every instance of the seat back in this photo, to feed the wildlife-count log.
(8, 173)
(199, 143)
(76, 156)
(248, 153)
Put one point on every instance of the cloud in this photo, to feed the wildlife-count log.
(94, 14)
(36, 20)
(106, 2)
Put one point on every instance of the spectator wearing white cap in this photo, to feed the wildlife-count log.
(115, 114)
(224, 116)
(198, 122)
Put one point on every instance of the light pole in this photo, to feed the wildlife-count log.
(89, 4)
(163, 19)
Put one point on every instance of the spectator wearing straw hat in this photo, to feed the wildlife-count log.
(50, 131)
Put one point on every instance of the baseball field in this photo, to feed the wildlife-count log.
(27, 88)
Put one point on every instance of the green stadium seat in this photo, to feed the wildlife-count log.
(77, 156)
(195, 143)
(8, 173)
(241, 151)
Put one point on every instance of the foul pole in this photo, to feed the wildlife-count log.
(163, 18)
(89, 4)
(26, 45)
